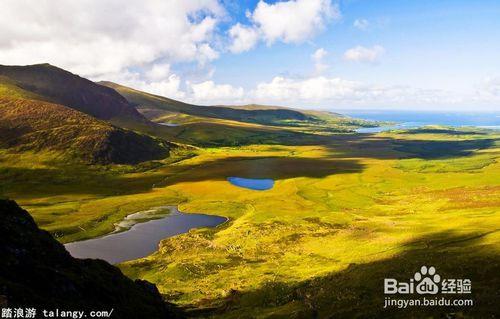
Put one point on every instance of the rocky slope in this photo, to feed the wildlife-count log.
(36, 271)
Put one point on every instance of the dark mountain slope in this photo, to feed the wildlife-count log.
(263, 115)
(36, 271)
(62, 87)
(36, 125)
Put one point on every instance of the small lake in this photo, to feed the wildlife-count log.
(169, 124)
(259, 184)
(141, 238)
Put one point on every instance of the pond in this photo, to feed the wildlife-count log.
(169, 124)
(137, 238)
(259, 184)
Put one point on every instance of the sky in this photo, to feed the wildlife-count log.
(315, 54)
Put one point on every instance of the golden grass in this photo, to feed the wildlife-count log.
(353, 200)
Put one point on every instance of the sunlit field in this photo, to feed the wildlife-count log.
(345, 212)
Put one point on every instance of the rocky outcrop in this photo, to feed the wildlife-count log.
(36, 271)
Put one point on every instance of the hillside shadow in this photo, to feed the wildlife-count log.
(61, 181)
(341, 145)
(357, 291)
(218, 134)
(343, 155)
(371, 146)
(442, 131)
(274, 167)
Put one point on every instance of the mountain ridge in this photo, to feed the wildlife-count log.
(35, 125)
(267, 115)
(63, 87)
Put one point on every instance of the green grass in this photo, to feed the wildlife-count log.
(346, 211)
(223, 125)
(11, 89)
(74, 200)
(31, 125)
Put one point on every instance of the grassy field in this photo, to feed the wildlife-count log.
(346, 211)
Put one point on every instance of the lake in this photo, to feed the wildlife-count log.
(141, 238)
(259, 184)
(411, 119)
(169, 124)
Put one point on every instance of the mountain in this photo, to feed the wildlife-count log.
(28, 122)
(149, 103)
(224, 125)
(62, 87)
(37, 271)
(35, 125)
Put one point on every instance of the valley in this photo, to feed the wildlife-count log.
(345, 210)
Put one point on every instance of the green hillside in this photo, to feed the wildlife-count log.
(156, 108)
(62, 87)
(268, 115)
(36, 126)
(31, 121)
(168, 119)
(233, 125)
(346, 210)
(11, 89)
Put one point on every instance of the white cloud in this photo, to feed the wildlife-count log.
(361, 24)
(209, 92)
(314, 92)
(243, 38)
(318, 57)
(159, 80)
(326, 92)
(156, 80)
(93, 37)
(363, 54)
(491, 85)
(169, 87)
(293, 21)
(311, 89)
(487, 91)
(158, 71)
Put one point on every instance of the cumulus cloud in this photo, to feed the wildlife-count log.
(161, 81)
(361, 24)
(293, 21)
(209, 91)
(318, 58)
(93, 37)
(158, 79)
(158, 71)
(310, 89)
(243, 38)
(363, 54)
(331, 92)
(311, 92)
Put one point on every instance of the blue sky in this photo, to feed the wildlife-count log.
(360, 54)
(443, 45)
